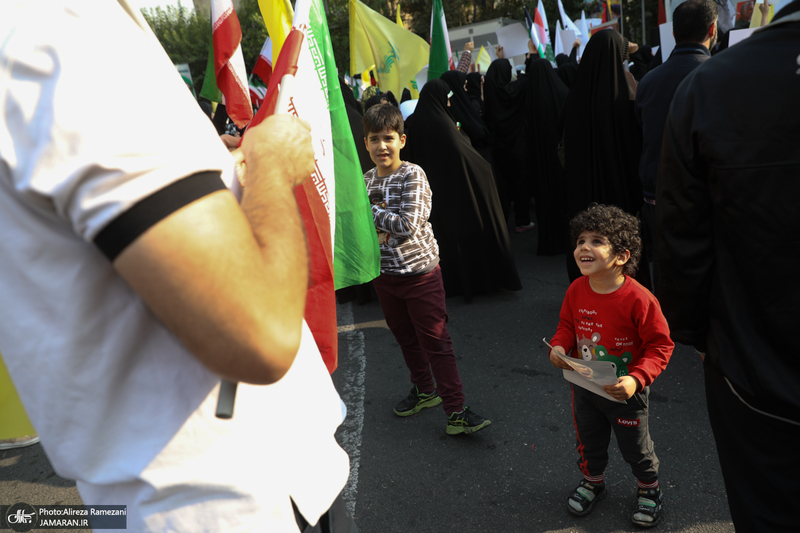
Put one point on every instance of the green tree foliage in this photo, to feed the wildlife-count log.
(185, 34)
(254, 31)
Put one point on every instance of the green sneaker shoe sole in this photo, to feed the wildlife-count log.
(466, 430)
(433, 402)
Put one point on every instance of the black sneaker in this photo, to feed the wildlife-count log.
(466, 422)
(649, 507)
(586, 494)
(416, 402)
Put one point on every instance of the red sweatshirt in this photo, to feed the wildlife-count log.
(625, 327)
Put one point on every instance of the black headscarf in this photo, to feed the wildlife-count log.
(567, 72)
(602, 139)
(474, 95)
(464, 113)
(466, 215)
(544, 103)
(379, 98)
(504, 101)
(405, 96)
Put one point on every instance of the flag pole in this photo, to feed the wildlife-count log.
(644, 34)
(227, 388)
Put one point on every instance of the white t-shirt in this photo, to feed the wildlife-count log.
(120, 405)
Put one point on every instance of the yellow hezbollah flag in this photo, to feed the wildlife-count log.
(396, 53)
(278, 16)
(14, 422)
(412, 84)
(483, 60)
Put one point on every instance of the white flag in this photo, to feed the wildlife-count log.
(567, 23)
(559, 45)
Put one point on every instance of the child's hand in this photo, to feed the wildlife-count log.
(556, 361)
(624, 388)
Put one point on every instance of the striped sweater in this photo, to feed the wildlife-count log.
(401, 218)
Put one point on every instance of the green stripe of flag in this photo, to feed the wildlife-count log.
(356, 255)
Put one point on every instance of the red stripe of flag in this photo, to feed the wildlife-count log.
(226, 35)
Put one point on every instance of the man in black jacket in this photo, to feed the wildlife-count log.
(694, 25)
(726, 209)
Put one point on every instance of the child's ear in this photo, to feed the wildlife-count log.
(403, 140)
(623, 257)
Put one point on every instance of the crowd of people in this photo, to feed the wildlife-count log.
(575, 149)
(154, 281)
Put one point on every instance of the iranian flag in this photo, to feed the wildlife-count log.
(229, 70)
(333, 202)
(262, 72)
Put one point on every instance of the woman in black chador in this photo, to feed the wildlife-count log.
(464, 113)
(545, 95)
(466, 216)
(567, 67)
(504, 105)
(602, 139)
(474, 90)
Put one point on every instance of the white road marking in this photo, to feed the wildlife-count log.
(350, 327)
(354, 371)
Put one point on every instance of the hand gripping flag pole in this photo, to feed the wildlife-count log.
(277, 99)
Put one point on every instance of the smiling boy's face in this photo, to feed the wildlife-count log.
(384, 150)
(595, 256)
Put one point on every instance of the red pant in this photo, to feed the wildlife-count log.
(415, 312)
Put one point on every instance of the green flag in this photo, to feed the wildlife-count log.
(438, 62)
(210, 89)
(356, 255)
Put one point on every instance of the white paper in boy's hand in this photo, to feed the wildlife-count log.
(591, 375)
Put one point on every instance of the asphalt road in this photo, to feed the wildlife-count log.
(407, 475)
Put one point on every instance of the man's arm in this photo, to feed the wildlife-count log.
(229, 281)
(573, 53)
(466, 58)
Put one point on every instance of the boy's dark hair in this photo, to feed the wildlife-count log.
(692, 19)
(381, 117)
(620, 228)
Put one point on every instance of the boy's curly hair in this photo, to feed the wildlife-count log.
(382, 116)
(620, 228)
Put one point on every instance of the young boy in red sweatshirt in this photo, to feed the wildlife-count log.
(607, 315)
